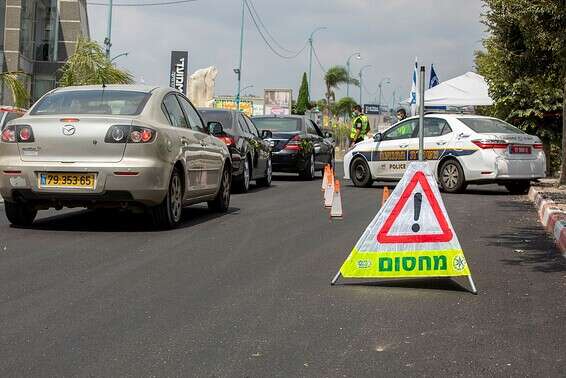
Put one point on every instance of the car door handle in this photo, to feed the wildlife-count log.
(404, 146)
(203, 143)
(441, 143)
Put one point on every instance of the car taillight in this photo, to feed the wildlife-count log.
(17, 133)
(25, 134)
(9, 134)
(294, 144)
(228, 140)
(491, 144)
(537, 146)
(130, 134)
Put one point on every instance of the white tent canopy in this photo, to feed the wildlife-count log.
(469, 89)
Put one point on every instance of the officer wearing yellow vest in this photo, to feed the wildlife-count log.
(360, 126)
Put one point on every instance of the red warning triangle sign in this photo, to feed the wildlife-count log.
(384, 236)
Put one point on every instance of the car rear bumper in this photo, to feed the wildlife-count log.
(20, 182)
(287, 161)
(502, 169)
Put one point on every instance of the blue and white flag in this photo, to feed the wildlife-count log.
(413, 95)
(434, 81)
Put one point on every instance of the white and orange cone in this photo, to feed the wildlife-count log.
(336, 209)
(329, 192)
(385, 196)
(325, 178)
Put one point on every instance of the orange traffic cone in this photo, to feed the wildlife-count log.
(384, 196)
(329, 193)
(325, 178)
(336, 210)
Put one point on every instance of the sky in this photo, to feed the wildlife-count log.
(389, 34)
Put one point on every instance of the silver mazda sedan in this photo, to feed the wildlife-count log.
(126, 146)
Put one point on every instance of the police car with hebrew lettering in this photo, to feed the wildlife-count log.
(461, 150)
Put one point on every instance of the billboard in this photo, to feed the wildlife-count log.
(245, 106)
(278, 101)
(179, 70)
(371, 109)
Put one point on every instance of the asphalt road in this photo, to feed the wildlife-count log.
(248, 294)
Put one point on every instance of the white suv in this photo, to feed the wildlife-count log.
(460, 149)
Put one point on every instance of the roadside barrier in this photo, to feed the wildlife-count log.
(336, 210)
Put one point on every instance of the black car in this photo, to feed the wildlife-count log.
(251, 154)
(297, 144)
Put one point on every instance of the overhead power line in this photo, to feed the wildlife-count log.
(250, 2)
(318, 60)
(255, 22)
(153, 4)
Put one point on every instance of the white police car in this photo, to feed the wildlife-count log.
(461, 150)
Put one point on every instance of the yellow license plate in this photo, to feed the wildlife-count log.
(67, 180)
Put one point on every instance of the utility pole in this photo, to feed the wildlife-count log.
(421, 101)
(358, 56)
(108, 39)
(238, 70)
(379, 86)
(310, 56)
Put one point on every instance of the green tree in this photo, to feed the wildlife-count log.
(303, 99)
(343, 106)
(334, 77)
(20, 96)
(89, 65)
(524, 63)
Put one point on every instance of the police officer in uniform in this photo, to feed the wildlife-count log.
(360, 126)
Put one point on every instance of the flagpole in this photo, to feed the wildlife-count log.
(421, 113)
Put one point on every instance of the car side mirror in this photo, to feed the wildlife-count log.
(215, 128)
(378, 137)
(266, 134)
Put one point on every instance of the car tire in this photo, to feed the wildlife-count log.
(308, 172)
(221, 203)
(20, 214)
(360, 173)
(242, 183)
(518, 187)
(168, 214)
(266, 181)
(451, 177)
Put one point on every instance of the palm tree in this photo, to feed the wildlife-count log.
(19, 93)
(89, 65)
(334, 77)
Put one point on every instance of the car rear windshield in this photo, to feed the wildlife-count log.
(489, 125)
(278, 124)
(107, 102)
(223, 117)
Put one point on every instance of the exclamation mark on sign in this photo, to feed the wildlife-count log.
(418, 201)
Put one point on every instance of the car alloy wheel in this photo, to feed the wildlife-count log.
(226, 188)
(247, 175)
(269, 173)
(312, 166)
(450, 176)
(360, 173)
(176, 198)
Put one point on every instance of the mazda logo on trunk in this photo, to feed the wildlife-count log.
(68, 130)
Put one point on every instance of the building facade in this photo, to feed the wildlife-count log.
(36, 38)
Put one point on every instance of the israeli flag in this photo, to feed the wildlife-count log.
(413, 95)
(434, 81)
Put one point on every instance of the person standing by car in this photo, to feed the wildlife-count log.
(360, 126)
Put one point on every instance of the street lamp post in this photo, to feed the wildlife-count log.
(108, 39)
(361, 80)
(310, 57)
(238, 70)
(358, 56)
(118, 56)
(385, 80)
